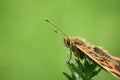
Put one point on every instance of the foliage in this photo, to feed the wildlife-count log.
(82, 70)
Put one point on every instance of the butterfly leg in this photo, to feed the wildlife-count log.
(70, 56)
(77, 55)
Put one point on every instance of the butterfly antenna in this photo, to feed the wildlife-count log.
(57, 29)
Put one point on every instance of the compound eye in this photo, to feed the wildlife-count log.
(68, 42)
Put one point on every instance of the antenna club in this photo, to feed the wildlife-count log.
(56, 31)
(47, 20)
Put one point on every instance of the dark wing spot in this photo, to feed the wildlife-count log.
(99, 51)
(102, 53)
(117, 66)
(79, 42)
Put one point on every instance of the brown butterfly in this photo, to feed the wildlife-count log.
(81, 49)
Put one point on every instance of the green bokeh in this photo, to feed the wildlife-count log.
(29, 48)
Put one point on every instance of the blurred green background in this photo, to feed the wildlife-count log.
(29, 48)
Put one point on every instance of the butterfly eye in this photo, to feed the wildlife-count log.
(68, 42)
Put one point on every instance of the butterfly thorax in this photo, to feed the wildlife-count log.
(71, 43)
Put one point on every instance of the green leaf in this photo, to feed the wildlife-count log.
(84, 69)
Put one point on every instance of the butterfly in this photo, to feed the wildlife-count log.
(81, 49)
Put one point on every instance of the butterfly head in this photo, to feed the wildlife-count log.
(67, 41)
(73, 41)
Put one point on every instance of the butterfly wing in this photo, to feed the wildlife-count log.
(112, 66)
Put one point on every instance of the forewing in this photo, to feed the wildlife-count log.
(112, 66)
